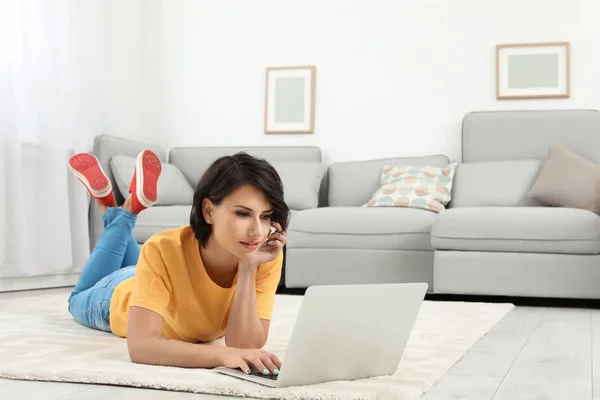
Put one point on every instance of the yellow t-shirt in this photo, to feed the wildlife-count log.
(171, 281)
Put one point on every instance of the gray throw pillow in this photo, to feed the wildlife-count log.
(301, 183)
(568, 180)
(173, 188)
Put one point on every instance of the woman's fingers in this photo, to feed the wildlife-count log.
(277, 226)
(243, 366)
(269, 364)
(275, 243)
(277, 237)
(257, 362)
(265, 362)
(274, 359)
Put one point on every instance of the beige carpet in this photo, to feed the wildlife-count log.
(40, 341)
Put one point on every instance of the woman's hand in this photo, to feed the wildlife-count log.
(270, 248)
(245, 359)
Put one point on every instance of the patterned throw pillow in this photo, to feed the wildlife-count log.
(422, 186)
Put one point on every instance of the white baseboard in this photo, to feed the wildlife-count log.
(38, 282)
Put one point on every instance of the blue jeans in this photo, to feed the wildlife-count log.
(112, 261)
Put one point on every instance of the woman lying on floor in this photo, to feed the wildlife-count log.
(216, 277)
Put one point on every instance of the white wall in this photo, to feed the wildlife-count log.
(393, 77)
(133, 69)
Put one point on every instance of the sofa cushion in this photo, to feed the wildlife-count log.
(301, 183)
(518, 229)
(160, 218)
(415, 186)
(494, 183)
(353, 183)
(568, 180)
(361, 228)
(173, 188)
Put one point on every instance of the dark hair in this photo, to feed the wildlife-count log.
(228, 174)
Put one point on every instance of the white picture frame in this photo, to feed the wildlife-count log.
(533, 70)
(290, 99)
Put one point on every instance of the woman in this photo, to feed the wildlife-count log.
(215, 277)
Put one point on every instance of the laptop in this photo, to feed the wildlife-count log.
(346, 332)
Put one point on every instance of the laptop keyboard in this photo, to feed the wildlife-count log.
(270, 376)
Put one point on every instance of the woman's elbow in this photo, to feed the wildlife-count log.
(138, 353)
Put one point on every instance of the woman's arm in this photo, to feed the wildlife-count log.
(146, 346)
(244, 328)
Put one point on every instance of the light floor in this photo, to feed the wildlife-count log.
(533, 353)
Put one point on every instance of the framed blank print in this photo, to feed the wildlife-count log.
(533, 70)
(290, 99)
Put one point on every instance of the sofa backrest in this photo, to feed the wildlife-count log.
(352, 184)
(503, 152)
(519, 135)
(300, 168)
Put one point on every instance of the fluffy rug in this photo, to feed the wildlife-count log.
(40, 341)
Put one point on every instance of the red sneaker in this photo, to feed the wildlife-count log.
(87, 169)
(143, 185)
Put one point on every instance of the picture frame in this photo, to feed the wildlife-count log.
(533, 70)
(290, 99)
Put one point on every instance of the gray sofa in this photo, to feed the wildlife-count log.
(492, 239)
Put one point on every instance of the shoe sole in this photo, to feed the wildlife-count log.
(146, 191)
(100, 188)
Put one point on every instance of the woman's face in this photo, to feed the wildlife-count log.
(240, 224)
